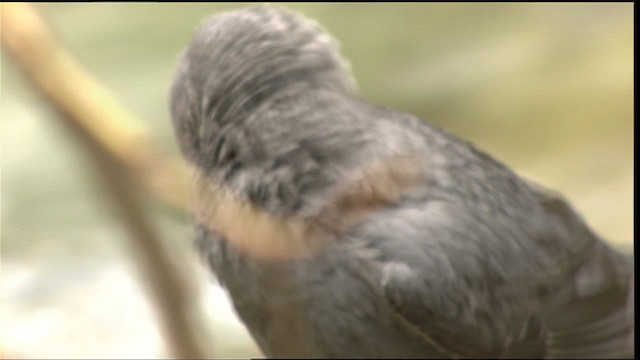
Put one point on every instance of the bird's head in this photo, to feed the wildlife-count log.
(244, 85)
(239, 60)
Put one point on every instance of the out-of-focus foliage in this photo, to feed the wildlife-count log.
(546, 88)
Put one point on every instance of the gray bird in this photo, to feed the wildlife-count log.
(345, 229)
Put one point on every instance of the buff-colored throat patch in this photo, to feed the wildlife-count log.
(267, 236)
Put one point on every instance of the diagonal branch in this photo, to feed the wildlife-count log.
(90, 108)
(120, 151)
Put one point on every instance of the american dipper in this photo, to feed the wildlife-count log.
(345, 229)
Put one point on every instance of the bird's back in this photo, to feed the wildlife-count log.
(343, 229)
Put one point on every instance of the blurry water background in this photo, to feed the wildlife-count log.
(545, 88)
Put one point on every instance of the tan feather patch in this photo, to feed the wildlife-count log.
(272, 237)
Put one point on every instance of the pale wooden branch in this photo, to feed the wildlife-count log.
(121, 151)
(90, 107)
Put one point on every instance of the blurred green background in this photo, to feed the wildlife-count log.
(546, 88)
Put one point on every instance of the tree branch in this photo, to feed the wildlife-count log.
(120, 150)
(90, 108)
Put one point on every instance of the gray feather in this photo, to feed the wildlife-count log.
(471, 261)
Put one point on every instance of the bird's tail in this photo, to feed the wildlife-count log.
(599, 320)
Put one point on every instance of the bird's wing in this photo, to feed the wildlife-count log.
(456, 287)
(478, 284)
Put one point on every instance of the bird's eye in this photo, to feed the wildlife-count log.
(258, 194)
(287, 196)
(225, 151)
